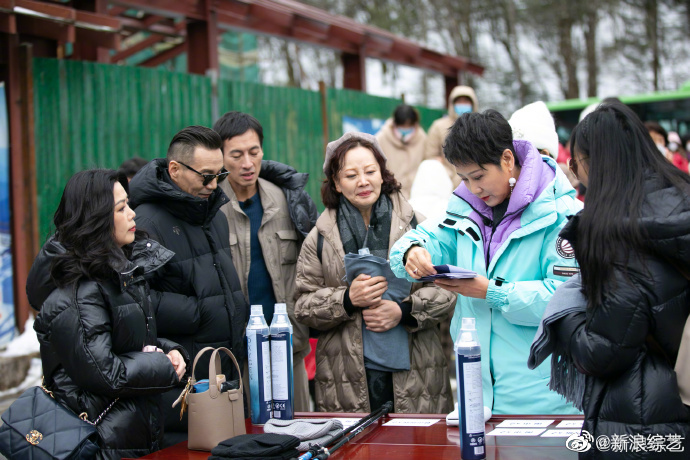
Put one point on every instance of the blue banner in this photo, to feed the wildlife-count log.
(362, 125)
(7, 327)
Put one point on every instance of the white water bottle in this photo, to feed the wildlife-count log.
(468, 369)
(281, 364)
(259, 356)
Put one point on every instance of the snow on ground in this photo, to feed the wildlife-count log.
(25, 344)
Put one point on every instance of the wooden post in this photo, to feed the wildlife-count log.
(324, 114)
(202, 43)
(84, 50)
(15, 71)
(451, 82)
(354, 71)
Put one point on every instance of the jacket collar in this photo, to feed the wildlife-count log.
(147, 256)
(152, 184)
(327, 224)
(268, 201)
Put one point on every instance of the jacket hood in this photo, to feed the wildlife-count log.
(152, 184)
(39, 284)
(461, 91)
(540, 185)
(666, 221)
(302, 208)
(386, 133)
(147, 256)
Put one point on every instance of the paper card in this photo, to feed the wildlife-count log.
(524, 423)
(412, 422)
(570, 424)
(348, 422)
(516, 432)
(559, 433)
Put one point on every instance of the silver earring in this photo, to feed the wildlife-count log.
(512, 182)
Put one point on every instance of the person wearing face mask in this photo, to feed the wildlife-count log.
(462, 100)
(660, 137)
(402, 140)
(502, 222)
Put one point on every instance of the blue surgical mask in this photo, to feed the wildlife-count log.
(462, 108)
(405, 131)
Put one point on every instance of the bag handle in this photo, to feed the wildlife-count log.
(196, 358)
(212, 369)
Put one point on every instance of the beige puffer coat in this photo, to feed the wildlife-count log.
(341, 384)
(402, 158)
(439, 130)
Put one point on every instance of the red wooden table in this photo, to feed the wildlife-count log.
(438, 441)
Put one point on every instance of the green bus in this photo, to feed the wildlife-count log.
(670, 108)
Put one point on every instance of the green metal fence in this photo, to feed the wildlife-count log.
(96, 115)
(93, 115)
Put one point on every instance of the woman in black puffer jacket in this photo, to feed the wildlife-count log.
(632, 241)
(96, 326)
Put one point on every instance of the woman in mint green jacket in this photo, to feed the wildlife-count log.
(503, 223)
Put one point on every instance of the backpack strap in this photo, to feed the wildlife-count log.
(319, 246)
(413, 222)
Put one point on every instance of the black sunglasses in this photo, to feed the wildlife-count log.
(208, 178)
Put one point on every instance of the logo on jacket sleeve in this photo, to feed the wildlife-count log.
(564, 249)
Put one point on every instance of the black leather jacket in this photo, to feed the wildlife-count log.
(92, 335)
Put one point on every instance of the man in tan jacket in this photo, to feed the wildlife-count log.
(268, 216)
(461, 100)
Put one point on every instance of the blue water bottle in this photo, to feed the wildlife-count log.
(281, 364)
(259, 354)
(468, 369)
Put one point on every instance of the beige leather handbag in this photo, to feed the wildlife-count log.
(214, 416)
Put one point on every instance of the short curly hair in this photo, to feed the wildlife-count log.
(330, 196)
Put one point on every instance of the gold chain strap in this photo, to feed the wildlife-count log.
(83, 416)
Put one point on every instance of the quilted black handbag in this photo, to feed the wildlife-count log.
(37, 427)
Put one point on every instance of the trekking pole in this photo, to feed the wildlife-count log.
(316, 449)
(325, 453)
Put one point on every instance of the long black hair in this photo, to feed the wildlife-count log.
(620, 156)
(85, 226)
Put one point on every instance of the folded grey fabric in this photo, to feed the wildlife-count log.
(387, 351)
(566, 380)
(308, 431)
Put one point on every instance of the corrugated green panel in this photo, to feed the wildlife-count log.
(291, 120)
(95, 115)
(427, 116)
(361, 105)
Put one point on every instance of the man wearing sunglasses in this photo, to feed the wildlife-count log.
(197, 297)
(269, 214)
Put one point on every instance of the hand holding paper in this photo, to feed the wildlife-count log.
(476, 287)
(418, 262)
(449, 272)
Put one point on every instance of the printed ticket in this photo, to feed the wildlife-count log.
(524, 423)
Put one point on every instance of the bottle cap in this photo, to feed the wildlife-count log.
(468, 324)
(281, 308)
(257, 310)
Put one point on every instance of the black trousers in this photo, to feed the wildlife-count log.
(380, 387)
